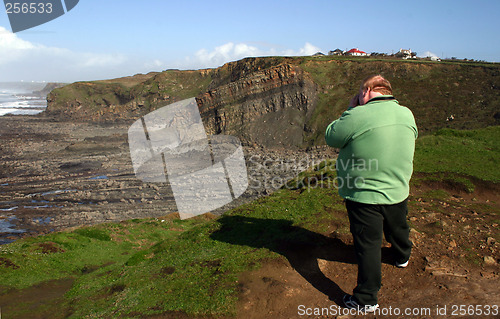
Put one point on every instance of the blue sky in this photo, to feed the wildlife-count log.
(112, 38)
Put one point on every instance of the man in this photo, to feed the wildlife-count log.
(376, 137)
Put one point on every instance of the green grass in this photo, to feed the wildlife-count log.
(148, 266)
(460, 156)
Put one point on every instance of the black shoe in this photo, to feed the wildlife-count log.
(402, 265)
(350, 303)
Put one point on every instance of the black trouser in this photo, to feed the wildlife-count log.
(368, 222)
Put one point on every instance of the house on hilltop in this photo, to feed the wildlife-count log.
(356, 52)
(406, 54)
(318, 54)
(336, 52)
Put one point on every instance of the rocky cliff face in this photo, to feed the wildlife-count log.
(266, 107)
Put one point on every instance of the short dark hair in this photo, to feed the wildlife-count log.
(377, 83)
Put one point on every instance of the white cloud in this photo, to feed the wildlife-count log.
(232, 52)
(11, 46)
(308, 49)
(224, 53)
(155, 64)
(28, 61)
(9, 39)
(428, 54)
(23, 60)
(92, 60)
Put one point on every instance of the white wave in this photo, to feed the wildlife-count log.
(20, 111)
(25, 97)
(18, 98)
(17, 104)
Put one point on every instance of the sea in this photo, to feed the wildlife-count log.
(20, 98)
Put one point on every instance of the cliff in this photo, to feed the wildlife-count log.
(266, 106)
(48, 88)
(125, 98)
(287, 102)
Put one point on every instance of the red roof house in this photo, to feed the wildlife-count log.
(356, 52)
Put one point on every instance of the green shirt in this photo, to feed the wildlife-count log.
(377, 143)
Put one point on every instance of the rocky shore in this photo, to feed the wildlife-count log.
(57, 174)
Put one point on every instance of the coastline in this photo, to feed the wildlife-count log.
(58, 174)
(24, 98)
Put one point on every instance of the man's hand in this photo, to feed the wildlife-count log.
(354, 101)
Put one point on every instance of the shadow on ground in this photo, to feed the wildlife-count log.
(301, 247)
